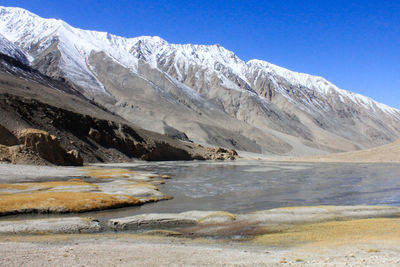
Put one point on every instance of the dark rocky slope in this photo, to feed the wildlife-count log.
(73, 128)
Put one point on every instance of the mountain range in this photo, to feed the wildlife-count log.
(200, 93)
(44, 121)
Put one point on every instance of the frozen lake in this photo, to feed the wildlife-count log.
(243, 186)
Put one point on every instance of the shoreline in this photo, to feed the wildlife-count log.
(299, 236)
(328, 158)
(389, 153)
(262, 226)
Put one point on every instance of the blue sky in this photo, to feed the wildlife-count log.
(354, 44)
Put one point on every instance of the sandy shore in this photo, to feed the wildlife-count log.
(389, 153)
(133, 250)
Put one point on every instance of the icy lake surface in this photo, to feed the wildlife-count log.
(243, 186)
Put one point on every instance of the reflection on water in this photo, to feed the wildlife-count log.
(244, 186)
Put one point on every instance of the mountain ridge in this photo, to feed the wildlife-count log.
(256, 95)
(293, 76)
(45, 121)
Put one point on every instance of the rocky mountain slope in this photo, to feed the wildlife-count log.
(203, 92)
(45, 121)
(10, 49)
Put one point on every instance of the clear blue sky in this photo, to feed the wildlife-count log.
(354, 44)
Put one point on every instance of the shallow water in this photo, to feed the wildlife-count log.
(244, 186)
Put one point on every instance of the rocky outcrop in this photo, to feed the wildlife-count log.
(220, 153)
(35, 146)
(215, 153)
(48, 147)
(20, 155)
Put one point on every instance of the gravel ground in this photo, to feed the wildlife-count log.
(152, 251)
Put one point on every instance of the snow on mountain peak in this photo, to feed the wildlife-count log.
(35, 34)
(10, 49)
(320, 85)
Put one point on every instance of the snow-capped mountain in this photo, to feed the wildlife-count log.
(205, 91)
(10, 49)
